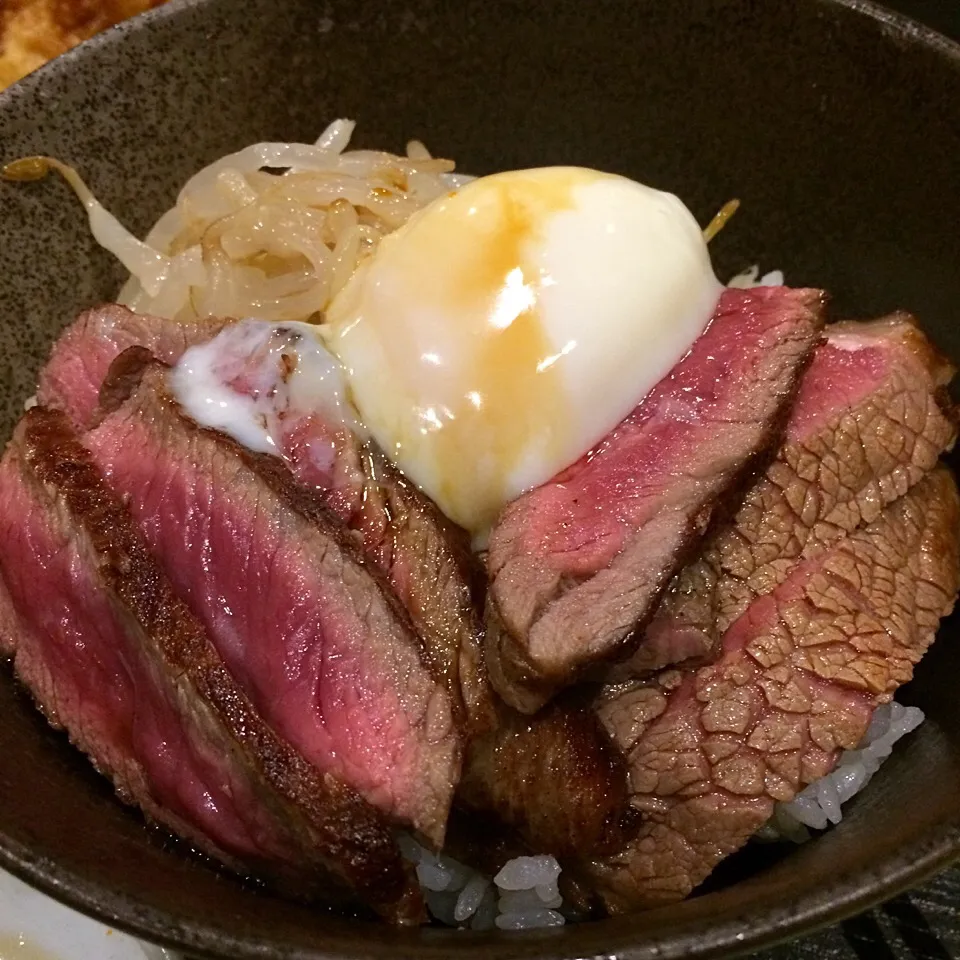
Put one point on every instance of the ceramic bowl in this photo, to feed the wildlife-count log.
(838, 127)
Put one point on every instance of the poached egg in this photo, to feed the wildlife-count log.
(498, 335)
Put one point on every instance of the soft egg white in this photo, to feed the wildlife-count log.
(236, 382)
(506, 328)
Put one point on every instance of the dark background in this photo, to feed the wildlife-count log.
(924, 924)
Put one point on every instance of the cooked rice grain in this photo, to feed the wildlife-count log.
(821, 803)
(523, 895)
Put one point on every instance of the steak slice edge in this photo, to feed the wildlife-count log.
(577, 565)
(312, 636)
(871, 418)
(799, 676)
(114, 656)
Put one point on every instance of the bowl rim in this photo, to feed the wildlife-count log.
(709, 928)
(899, 22)
(728, 935)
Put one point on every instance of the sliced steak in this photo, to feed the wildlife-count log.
(429, 566)
(114, 656)
(555, 779)
(80, 358)
(799, 675)
(310, 632)
(426, 559)
(871, 418)
(577, 565)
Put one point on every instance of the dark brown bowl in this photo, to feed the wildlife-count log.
(837, 125)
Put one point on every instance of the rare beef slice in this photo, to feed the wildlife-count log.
(578, 565)
(71, 379)
(799, 674)
(555, 779)
(871, 418)
(426, 559)
(114, 657)
(309, 629)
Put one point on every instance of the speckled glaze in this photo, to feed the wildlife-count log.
(836, 125)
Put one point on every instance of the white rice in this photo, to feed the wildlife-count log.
(751, 278)
(523, 895)
(821, 804)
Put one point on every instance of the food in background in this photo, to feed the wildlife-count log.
(35, 31)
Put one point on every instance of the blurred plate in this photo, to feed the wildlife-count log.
(34, 927)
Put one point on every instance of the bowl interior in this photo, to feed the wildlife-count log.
(835, 125)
